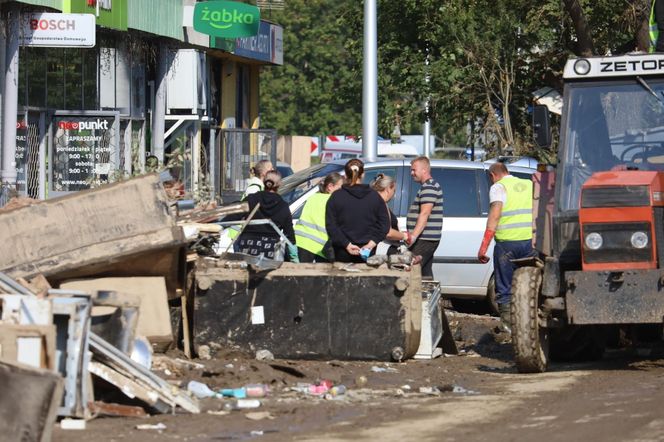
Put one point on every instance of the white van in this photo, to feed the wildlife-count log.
(465, 187)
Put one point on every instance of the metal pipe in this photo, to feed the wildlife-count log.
(370, 82)
(427, 135)
(159, 111)
(10, 101)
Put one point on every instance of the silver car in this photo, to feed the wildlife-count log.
(466, 205)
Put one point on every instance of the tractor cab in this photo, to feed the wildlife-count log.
(604, 268)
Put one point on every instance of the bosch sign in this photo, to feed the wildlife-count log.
(58, 30)
(52, 25)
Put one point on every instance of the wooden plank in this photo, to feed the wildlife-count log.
(98, 408)
(40, 339)
(129, 387)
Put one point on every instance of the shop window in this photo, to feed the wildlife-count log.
(89, 79)
(55, 91)
(73, 79)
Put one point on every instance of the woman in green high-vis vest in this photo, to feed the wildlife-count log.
(310, 233)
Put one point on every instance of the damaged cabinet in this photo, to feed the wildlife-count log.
(314, 311)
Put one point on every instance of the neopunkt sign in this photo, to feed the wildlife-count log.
(226, 19)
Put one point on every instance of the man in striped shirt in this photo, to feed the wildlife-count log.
(425, 215)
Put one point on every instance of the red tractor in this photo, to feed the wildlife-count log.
(599, 216)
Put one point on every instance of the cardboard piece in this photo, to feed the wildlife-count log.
(153, 316)
(32, 345)
(28, 403)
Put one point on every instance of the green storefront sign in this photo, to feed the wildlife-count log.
(226, 19)
(112, 14)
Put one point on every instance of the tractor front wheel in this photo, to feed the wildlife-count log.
(530, 340)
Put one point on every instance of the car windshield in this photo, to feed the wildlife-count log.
(297, 184)
(616, 126)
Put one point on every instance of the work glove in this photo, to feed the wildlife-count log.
(481, 253)
(293, 255)
(409, 239)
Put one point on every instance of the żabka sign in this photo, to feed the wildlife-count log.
(226, 19)
(46, 29)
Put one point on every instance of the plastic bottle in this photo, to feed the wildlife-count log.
(240, 404)
(237, 393)
(256, 390)
(338, 390)
(200, 390)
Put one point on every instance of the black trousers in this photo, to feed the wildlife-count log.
(307, 256)
(425, 249)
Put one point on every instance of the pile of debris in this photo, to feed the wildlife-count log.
(85, 290)
(98, 280)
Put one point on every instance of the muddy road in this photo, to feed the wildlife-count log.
(475, 396)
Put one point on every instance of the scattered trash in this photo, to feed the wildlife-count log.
(377, 369)
(361, 381)
(264, 355)
(160, 426)
(72, 424)
(218, 412)
(200, 390)
(258, 415)
(251, 390)
(338, 390)
(204, 352)
(240, 404)
(405, 387)
(256, 433)
(229, 366)
(460, 390)
(433, 391)
(194, 365)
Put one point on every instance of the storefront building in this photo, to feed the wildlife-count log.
(149, 87)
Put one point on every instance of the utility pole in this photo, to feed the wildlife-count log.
(159, 111)
(370, 82)
(10, 101)
(427, 121)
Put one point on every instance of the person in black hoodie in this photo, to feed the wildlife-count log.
(262, 239)
(356, 217)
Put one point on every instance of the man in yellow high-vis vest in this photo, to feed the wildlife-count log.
(656, 27)
(510, 220)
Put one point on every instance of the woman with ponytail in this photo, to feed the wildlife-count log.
(262, 239)
(356, 217)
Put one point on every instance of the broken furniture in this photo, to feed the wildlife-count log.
(312, 311)
(122, 229)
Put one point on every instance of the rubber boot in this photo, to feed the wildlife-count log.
(505, 317)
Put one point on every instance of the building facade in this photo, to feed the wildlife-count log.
(141, 90)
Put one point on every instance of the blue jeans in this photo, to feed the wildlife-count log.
(503, 268)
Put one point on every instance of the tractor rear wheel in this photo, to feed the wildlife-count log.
(530, 341)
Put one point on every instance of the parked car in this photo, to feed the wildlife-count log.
(284, 169)
(466, 205)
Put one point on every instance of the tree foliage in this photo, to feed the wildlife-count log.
(485, 59)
